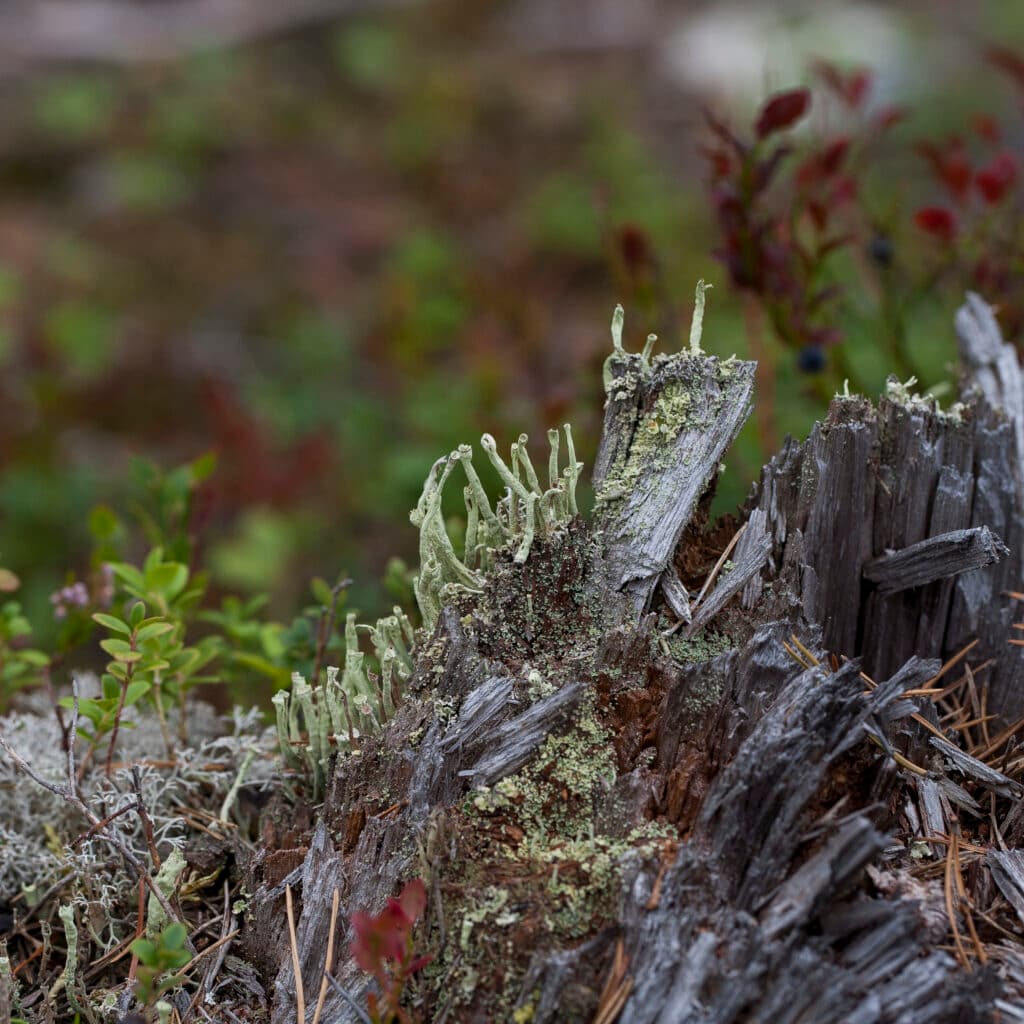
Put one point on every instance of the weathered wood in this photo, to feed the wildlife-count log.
(936, 558)
(667, 428)
(806, 807)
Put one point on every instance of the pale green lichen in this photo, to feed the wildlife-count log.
(167, 882)
(706, 645)
(315, 721)
(491, 900)
(528, 508)
(903, 393)
(697, 323)
(552, 805)
(653, 441)
(679, 406)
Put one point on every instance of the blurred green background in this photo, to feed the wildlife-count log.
(331, 241)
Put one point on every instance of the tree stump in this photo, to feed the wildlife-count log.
(660, 770)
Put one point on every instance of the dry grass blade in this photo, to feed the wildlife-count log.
(203, 954)
(328, 958)
(616, 988)
(722, 558)
(300, 996)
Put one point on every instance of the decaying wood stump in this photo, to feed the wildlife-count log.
(644, 782)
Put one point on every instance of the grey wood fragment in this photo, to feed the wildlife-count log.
(934, 559)
(978, 770)
(478, 715)
(664, 440)
(827, 873)
(933, 819)
(513, 743)
(675, 594)
(994, 365)
(1007, 869)
(750, 556)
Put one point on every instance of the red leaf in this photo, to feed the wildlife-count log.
(818, 213)
(851, 88)
(997, 178)
(368, 948)
(986, 127)
(857, 87)
(419, 963)
(950, 166)
(413, 900)
(1009, 61)
(823, 165)
(889, 116)
(937, 221)
(719, 161)
(782, 110)
(845, 190)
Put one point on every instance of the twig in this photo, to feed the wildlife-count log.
(147, 825)
(300, 996)
(226, 935)
(180, 975)
(125, 683)
(326, 627)
(71, 737)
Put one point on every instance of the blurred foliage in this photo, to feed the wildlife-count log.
(332, 255)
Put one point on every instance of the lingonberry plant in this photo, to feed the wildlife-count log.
(821, 224)
(384, 948)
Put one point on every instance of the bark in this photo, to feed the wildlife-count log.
(641, 792)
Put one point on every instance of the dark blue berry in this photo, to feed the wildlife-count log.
(880, 250)
(811, 359)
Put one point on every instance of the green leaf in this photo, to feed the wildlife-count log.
(111, 685)
(168, 579)
(321, 590)
(136, 691)
(203, 467)
(173, 937)
(121, 650)
(145, 950)
(117, 670)
(128, 574)
(138, 614)
(103, 524)
(37, 659)
(152, 630)
(112, 623)
(271, 642)
(277, 673)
